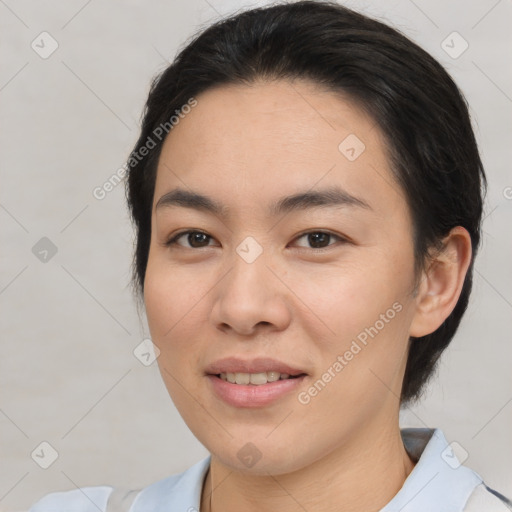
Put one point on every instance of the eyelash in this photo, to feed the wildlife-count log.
(173, 240)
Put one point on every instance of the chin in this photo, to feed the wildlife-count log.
(262, 458)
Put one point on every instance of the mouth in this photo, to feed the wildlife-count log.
(255, 379)
(239, 371)
(252, 383)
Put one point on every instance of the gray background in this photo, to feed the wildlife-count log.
(69, 325)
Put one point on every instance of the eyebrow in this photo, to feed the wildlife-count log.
(328, 197)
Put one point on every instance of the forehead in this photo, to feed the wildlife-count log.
(268, 138)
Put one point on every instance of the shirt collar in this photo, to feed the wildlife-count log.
(437, 482)
(179, 493)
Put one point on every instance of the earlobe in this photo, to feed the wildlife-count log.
(441, 283)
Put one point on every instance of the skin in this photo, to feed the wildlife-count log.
(247, 146)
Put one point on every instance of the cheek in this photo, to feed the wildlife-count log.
(177, 309)
(345, 299)
(362, 312)
(359, 365)
(173, 308)
(173, 298)
(159, 303)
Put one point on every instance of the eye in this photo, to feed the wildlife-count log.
(320, 239)
(196, 239)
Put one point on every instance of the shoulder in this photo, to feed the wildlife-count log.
(171, 493)
(440, 481)
(485, 499)
(85, 499)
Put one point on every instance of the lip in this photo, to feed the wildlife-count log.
(239, 395)
(256, 365)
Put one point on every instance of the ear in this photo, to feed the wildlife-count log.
(441, 284)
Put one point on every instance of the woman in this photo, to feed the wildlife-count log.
(304, 256)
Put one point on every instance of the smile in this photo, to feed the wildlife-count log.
(257, 379)
(254, 395)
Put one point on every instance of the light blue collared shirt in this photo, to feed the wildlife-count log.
(438, 483)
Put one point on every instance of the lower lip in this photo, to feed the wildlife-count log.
(240, 395)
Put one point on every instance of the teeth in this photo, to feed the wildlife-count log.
(253, 378)
(242, 378)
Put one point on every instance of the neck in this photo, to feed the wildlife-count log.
(375, 461)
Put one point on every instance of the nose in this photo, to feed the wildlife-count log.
(250, 298)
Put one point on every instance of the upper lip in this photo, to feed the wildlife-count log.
(257, 365)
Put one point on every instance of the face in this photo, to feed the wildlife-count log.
(319, 285)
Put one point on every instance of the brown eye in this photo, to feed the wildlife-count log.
(319, 239)
(195, 239)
